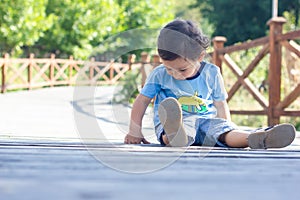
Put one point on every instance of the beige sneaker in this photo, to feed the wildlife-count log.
(170, 116)
(277, 136)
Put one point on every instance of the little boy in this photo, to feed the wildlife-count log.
(190, 105)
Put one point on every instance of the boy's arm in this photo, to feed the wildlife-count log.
(222, 110)
(135, 135)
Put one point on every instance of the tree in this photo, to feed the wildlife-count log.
(187, 10)
(139, 23)
(78, 26)
(22, 23)
(74, 27)
(144, 14)
(241, 20)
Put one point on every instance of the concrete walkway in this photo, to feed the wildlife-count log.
(67, 143)
(58, 113)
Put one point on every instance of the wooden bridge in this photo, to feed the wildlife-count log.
(49, 149)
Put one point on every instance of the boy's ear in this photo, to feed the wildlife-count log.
(201, 56)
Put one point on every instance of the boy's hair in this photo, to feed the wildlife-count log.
(181, 38)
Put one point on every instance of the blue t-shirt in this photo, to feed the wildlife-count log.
(195, 94)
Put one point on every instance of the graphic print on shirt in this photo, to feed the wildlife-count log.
(193, 104)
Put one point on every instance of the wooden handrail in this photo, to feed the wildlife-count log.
(288, 36)
(244, 45)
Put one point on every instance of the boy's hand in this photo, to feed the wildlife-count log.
(130, 139)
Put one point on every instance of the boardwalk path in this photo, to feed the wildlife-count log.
(54, 146)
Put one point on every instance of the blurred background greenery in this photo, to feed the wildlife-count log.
(78, 27)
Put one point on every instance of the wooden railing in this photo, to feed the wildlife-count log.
(275, 106)
(28, 73)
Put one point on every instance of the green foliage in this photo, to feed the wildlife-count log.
(292, 22)
(139, 23)
(297, 125)
(241, 20)
(78, 26)
(128, 87)
(144, 14)
(189, 9)
(293, 120)
(22, 23)
(254, 121)
(73, 27)
(133, 41)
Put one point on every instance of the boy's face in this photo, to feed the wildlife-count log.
(181, 68)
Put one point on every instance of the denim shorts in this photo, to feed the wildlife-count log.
(202, 131)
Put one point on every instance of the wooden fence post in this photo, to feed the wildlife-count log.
(71, 69)
(145, 59)
(51, 72)
(156, 60)
(218, 43)
(91, 71)
(274, 75)
(131, 60)
(4, 72)
(29, 73)
(111, 70)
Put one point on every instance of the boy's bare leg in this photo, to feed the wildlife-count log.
(278, 136)
(236, 138)
(165, 139)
